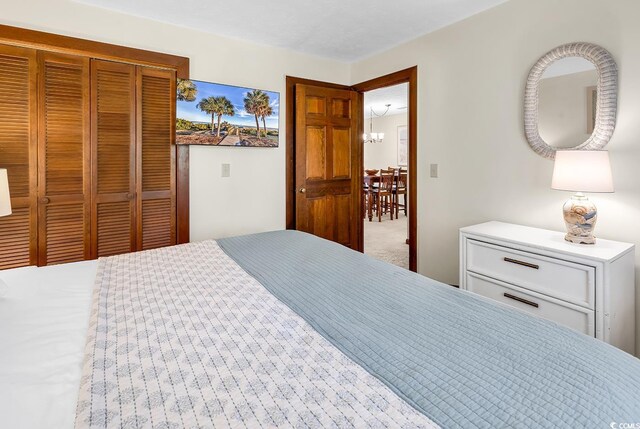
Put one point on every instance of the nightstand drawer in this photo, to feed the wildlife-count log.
(566, 314)
(555, 278)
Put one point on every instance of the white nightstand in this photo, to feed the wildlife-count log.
(590, 288)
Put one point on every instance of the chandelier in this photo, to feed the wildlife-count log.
(374, 137)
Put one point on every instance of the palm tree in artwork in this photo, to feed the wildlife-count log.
(223, 106)
(207, 105)
(253, 103)
(265, 111)
(186, 90)
(216, 106)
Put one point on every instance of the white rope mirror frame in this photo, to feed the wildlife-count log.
(606, 104)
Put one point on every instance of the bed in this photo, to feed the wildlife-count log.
(284, 329)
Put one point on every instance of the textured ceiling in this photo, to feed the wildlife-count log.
(339, 29)
(395, 95)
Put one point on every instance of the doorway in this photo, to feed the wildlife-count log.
(349, 219)
(385, 155)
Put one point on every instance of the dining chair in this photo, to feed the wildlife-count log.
(383, 194)
(400, 188)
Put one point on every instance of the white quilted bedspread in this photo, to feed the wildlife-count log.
(183, 337)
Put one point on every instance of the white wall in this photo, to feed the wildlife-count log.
(253, 198)
(385, 154)
(471, 82)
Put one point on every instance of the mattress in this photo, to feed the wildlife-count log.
(44, 317)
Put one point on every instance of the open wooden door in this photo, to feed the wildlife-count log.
(328, 163)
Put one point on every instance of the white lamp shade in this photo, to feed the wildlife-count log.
(582, 171)
(5, 199)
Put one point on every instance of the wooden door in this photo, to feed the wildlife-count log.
(156, 158)
(113, 120)
(327, 163)
(18, 154)
(64, 170)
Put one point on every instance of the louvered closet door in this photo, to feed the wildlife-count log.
(18, 154)
(113, 89)
(156, 158)
(63, 162)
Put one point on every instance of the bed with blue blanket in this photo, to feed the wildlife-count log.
(284, 329)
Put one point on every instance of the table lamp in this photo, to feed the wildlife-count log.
(5, 199)
(581, 171)
(5, 210)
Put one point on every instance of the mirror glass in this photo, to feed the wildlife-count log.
(567, 97)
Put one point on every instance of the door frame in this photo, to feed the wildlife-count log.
(409, 76)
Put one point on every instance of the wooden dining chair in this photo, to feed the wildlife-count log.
(400, 188)
(384, 194)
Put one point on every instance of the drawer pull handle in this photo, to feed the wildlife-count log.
(524, 264)
(522, 300)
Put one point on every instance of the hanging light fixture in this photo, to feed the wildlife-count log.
(374, 137)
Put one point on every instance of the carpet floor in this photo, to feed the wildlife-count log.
(386, 240)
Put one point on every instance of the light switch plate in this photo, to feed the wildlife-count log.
(226, 170)
(433, 170)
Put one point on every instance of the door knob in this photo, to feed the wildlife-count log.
(44, 200)
(130, 196)
(303, 190)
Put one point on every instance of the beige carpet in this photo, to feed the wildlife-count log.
(386, 240)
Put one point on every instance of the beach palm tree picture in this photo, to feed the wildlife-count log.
(223, 115)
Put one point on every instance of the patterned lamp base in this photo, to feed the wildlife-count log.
(580, 216)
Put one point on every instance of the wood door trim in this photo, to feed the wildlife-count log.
(71, 45)
(182, 194)
(409, 76)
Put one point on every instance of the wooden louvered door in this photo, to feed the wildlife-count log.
(18, 154)
(64, 177)
(156, 153)
(113, 153)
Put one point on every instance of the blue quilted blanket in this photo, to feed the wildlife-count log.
(458, 358)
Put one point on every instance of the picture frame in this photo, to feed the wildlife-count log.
(402, 146)
(214, 114)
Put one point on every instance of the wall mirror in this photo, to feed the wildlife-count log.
(571, 99)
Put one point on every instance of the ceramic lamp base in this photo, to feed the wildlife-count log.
(580, 216)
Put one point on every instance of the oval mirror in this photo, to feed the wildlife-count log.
(571, 99)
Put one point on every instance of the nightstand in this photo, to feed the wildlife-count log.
(589, 288)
